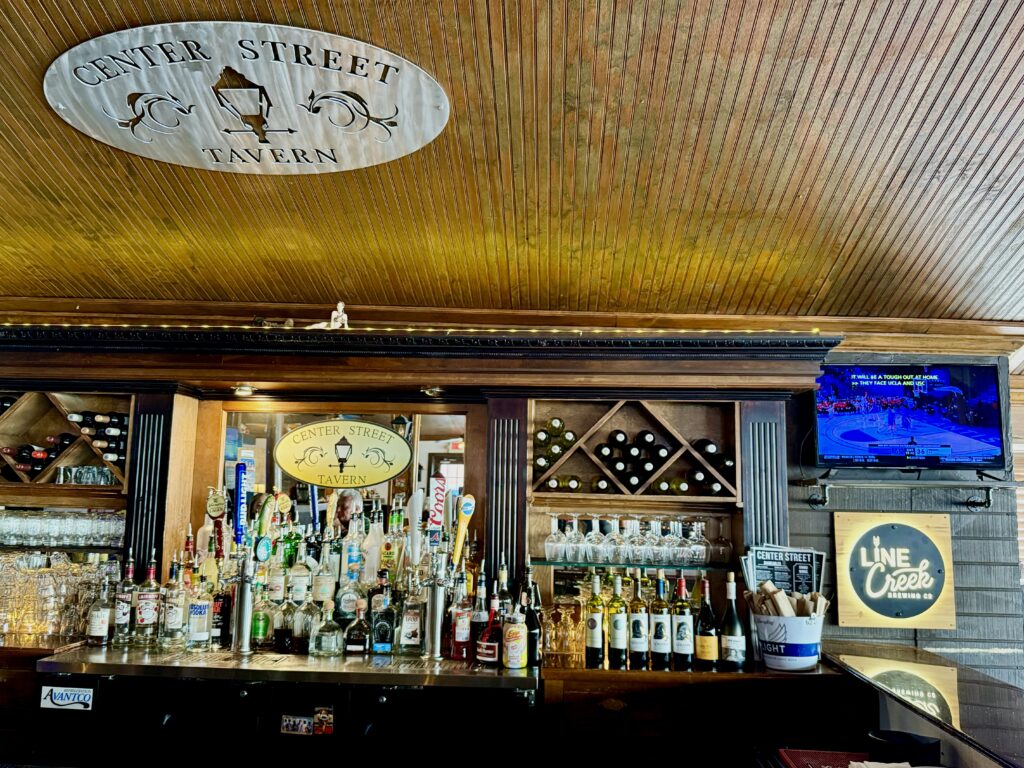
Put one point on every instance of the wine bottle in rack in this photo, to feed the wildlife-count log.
(117, 419)
(567, 438)
(570, 483)
(646, 467)
(114, 458)
(540, 463)
(101, 418)
(111, 431)
(706, 446)
(85, 418)
(659, 452)
(620, 467)
(663, 487)
(697, 476)
(678, 486)
(633, 480)
(618, 438)
(555, 451)
(646, 439)
(633, 451)
(724, 464)
(6, 401)
(542, 438)
(88, 431)
(604, 452)
(600, 485)
(555, 426)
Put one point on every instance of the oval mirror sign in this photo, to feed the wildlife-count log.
(247, 98)
(342, 453)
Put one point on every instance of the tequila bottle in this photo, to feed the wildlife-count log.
(359, 632)
(147, 606)
(327, 638)
(350, 592)
(124, 599)
(384, 625)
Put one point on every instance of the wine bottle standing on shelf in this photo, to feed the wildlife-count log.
(488, 647)
(618, 628)
(682, 628)
(661, 628)
(706, 633)
(639, 629)
(504, 596)
(532, 619)
(733, 640)
(594, 658)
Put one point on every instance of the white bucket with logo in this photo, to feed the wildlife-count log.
(789, 644)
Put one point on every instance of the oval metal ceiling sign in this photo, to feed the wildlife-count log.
(343, 453)
(247, 98)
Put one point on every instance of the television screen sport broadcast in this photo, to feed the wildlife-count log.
(938, 416)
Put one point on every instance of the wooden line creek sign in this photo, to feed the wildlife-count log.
(246, 97)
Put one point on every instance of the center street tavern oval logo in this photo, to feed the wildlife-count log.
(343, 453)
(246, 97)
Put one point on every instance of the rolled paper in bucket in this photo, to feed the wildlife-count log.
(789, 644)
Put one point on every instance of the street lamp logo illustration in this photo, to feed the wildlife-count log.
(247, 102)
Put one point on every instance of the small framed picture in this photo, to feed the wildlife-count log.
(297, 725)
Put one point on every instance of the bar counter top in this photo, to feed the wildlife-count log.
(223, 665)
(984, 713)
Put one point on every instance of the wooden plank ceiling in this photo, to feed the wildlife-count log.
(819, 158)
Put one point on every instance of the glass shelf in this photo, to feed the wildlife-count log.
(55, 548)
(648, 566)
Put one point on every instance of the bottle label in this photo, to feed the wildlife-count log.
(734, 648)
(99, 623)
(260, 626)
(275, 588)
(377, 602)
(323, 588)
(122, 608)
(173, 614)
(487, 652)
(147, 611)
(595, 630)
(661, 633)
(463, 621)
(618, 631)
(682, 634)
(355, 648)
(353, 559)
(638, 640)
(387, 556)
(199, 621)
(299, 589)
(382, 647)
(410, 627)
(730, 590)
(515, 646)
(334, 564)
(707, 648)
(347, 602)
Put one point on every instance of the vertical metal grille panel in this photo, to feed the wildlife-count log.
(145, 519)
(763, 504)
(503, 495)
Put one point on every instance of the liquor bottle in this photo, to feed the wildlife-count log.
(706, 633)
(706, 446)
(220, 617)
(682, 628)
(488, 647)
(277, 580)
(303, 620)
(542, 438)
(639, 627)
(173, 629)
(567, 438)
(391, 549)
(618, 628)
(570, 483)
(555, 426)
(733, 642)
(199, 617)
(283, 621)
(209, 568)
(531, 619)
(504, 596)
(147, 606)
(411, 630)
(595, 626)
(123, 600)
(618, 438)
(327, 638)
(604, 452)
(353, 545)
(661, 629)
(678, 486)
(100, 612)
(350, 592)
(481, 615)
(371, 548)
(461, 616)
(384, 624)
(290, 542)
(600, 485)
(300, 577)
(358, 634)
(324, 583)
(375, 594)
(262, 622)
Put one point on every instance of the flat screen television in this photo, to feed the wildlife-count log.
(932, 416)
